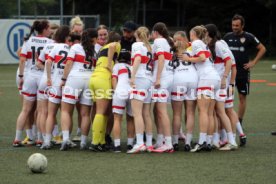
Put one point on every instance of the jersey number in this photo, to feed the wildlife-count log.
(149, 65)
(35, 53)
(60, 64)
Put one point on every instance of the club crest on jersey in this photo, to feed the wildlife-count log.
(242, 40)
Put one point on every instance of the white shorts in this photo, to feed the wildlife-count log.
(42, 93)
(76, 90)
(163, 94)
(208, 88)
(184, 91)
(30, 87)
(120, 102)
(142, 90)
(55, 92)
(229, 102)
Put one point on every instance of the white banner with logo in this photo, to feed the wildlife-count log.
(12, 35)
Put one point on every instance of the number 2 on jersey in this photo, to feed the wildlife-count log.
(60, 63)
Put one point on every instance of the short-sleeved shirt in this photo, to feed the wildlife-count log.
(240, 45)
(145, 68)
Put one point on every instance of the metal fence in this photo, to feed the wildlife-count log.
(90, 21)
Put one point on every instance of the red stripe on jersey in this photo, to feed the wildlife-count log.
(39, 60)
(159, 95)
(114, 76)
(205, 52)
(177, 94)
(222, 95)
(54, 96)
(19, 89)
(71, 97)
(118, 107)
(218, 60)
(122, 71)
(141, 93)
(28, 55)
(42, 92)
(229, 101)
(233, 65)
(58, 58)
(144, 59)
(167, 55)
(28, 94)
(78, 58)
(52, 59)
(204, 88)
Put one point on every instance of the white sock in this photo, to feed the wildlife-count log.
(239, 128)
(117, 142)
(39, 136)
(234, 136)
(44, 136)
(148, 139)
(65, 135)
(168, 141)
(29, 134)
(216, 138)
(130, 141)
(231, 138)
(202, 138)
(55, 131)
(79, 131)
(181, 130)
(175, 139)
(160, 139)
(18, 135)
(189, 138)
(47, 139)
(223, 135)
(83, 139)
(209, 139)
(34, 131)
(139, 139)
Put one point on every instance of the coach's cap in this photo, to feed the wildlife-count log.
(129, 26)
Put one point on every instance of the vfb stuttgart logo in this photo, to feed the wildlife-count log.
(15, 37)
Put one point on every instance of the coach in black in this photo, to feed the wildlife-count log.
(240, 43)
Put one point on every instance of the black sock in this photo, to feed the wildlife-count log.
(240, 119)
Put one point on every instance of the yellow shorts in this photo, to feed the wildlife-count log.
(101, 87)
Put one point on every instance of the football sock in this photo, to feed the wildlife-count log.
(189, 138)
(39, 136)
(175, 139)
(131, 140)
(98, 129)
(209, 139)
(78, 131)
(83, 139)
(202, 138)
(149, 139)
(65, 135)
(34, 131)
(55, 131)
(18, 135)
(160, 139)
(216, 138)
(29, 134)
(231, 138)
(47, 139)
(117, 142)
(139, 139)
(239, 128)
(223, 135)
(168, 141)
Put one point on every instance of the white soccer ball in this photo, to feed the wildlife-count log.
(273, 67)
(37, 163)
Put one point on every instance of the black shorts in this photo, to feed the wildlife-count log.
(242, 85)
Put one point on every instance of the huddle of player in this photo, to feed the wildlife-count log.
(81, 68)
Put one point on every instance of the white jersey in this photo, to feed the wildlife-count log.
(81, 67)
(206, 68)
(98, 48)
(31, 50)
(43, 56)
(59, 55)
(223, 54)
(121, 71)
(162, 47)
(145, 68)
(185, 71)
